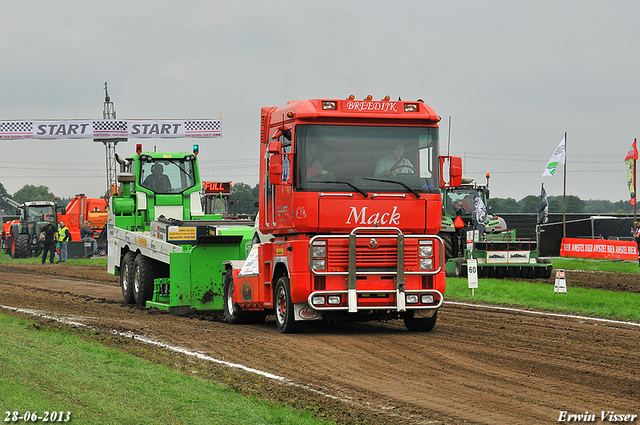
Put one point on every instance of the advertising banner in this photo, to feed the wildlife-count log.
(599, 248)
(109, 129)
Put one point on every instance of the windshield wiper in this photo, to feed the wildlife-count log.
(357, 189)
(416, 194)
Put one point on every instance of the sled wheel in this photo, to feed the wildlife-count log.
(420, 324)
(461, 269)
(285, 316)
(143, 277)
(126, 277)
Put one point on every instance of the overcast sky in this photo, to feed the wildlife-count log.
(513, 77)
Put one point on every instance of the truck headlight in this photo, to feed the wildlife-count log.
(425, 254)
(426, 263)
(425, 251)
(318, 300)
(334, 299)
(318, 264)
(411, 299)
(426, 299)
(318, 251)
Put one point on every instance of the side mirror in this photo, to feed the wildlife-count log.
(274, 147)
(275, 169)
(450, 171)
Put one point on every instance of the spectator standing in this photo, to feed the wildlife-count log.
(86, 234)
(64, 236)
(49, 237)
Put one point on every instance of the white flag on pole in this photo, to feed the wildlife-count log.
(556, 158)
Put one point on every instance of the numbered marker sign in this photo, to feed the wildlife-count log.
(472, 273)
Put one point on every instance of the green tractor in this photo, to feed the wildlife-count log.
(21, 237)
(498, 252)
(169, 253)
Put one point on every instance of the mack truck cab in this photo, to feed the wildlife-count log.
(350, 198)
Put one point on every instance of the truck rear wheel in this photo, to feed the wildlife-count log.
(126, 277)
(143, 276)
(285, 315)
(22, 246)
(420, 324)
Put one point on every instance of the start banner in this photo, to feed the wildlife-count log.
(599, 248)
(109, 129)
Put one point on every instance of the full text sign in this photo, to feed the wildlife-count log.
(109, 129)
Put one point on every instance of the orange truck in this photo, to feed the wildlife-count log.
(81, 209)
(350, 196)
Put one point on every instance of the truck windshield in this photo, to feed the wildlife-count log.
(371, 158)
(40, 213)
(167, 175)
(459, 202)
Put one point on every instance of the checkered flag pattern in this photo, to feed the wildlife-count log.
(10, 127)
(109, 126)
(207, 125)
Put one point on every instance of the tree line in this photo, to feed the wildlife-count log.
(244, 200)
(531, 204)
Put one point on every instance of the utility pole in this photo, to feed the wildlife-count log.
(109, 113)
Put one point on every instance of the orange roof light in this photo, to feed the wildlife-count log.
(369, 97)
(386, 98)
(351, 97)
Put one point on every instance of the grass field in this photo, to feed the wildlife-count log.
(536, 295)
(46, 369)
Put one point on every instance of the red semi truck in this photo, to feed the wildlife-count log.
(350, 198)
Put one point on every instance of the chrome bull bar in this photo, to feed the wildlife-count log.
(399, 273)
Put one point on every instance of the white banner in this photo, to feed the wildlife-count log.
(109, 129)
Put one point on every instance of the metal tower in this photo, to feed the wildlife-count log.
(109, 113)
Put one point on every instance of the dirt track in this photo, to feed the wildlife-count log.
(477, 366)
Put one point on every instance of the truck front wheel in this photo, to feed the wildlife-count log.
(143, 277)
(285, 316)
(126, 277)
(415, 323)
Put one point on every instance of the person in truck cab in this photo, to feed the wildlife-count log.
(157, 180)
(394, 163)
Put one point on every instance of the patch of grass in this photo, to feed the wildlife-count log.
(596, 265)
(51, 369)
(536, 295)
